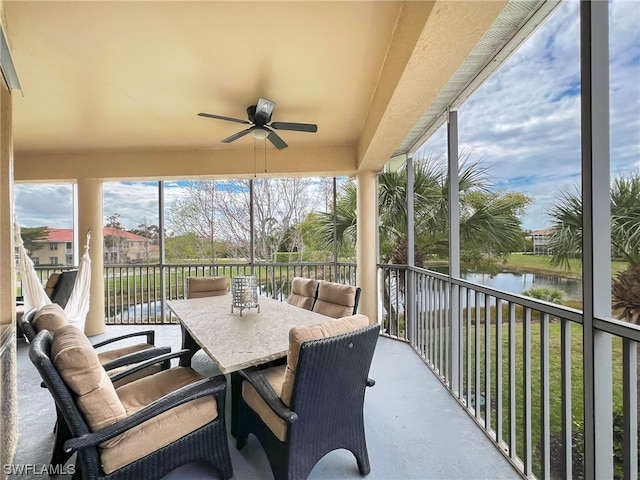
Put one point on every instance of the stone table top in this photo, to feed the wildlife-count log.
(235, 342)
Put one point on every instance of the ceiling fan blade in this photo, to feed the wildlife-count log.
(220, 117)
(296, 127)
(236, 136)
(264, 109)
(276, 140)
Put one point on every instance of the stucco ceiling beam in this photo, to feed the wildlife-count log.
(181, 164)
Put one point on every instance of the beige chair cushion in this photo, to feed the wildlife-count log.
(335, 300)
(110, 355)
(298, 335)
(163, 429)
(50, 317)
(51, 284)
(19, 313)
(79, 366)
(145, 372)
(116, 353)
(303, 292)
(275, 376)
(198, 287)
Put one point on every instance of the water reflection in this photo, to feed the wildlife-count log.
(518, 282)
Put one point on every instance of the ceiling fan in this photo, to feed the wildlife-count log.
(259, 118)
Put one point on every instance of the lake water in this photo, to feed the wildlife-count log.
(518, 282)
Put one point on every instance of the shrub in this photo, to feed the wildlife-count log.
(546, 294)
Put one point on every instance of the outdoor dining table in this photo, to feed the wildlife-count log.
(235, 341)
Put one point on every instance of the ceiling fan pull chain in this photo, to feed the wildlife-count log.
(255, 165)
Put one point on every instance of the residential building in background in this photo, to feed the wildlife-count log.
(120, 246)
(540, 240)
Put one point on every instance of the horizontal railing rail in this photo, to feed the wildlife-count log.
(514, 364)
(134, 293)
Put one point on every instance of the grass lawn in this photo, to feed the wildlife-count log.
(541, 264)
(555, 392)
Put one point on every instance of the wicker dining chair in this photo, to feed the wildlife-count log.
(58, 288)
(115, 361)
(144, 429)
(313, 405)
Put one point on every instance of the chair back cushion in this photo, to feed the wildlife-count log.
(77, 362)
(198, 287)
(51, 284)
(303, 292)
(298, 335)
(335, 300)
(50, 317)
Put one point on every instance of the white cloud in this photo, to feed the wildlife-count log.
(44, 204)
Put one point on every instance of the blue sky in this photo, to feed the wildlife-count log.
(524, 122)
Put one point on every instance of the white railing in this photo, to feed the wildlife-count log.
(137, 294)
(515, 365)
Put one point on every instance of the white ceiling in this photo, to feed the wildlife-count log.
(112, 75)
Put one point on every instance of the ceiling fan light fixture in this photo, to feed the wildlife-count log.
(259, 133)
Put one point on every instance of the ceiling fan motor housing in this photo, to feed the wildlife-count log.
(259, 118)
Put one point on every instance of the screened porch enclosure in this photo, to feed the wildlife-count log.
(553, 388)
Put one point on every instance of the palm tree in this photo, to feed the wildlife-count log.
(566, 239)
(566, 242)
(489, 220)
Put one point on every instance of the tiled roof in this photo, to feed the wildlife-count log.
(115, 232)
(59, 235)
(544, 231)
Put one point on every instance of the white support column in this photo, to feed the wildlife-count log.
(90, 218)
(366, 243)
(596, 238)
(455, 338)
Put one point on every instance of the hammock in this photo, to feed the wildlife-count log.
(34, 293)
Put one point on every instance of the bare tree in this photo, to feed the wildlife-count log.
(279, 206)
(220, 211)
(195, 213)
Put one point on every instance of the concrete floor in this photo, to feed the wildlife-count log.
(415, 429)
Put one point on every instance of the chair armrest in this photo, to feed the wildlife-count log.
(136, 357)
(255, 377)
(207, 386)
(150, 334)
(142, 365)
(370, 382)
